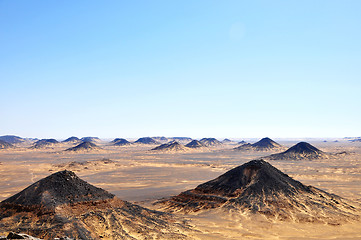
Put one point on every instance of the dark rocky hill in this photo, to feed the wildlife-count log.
(91, 139)
(44, 143)
(265, 144)
(146, 140)
(5, 145)
(173, 146)
(84, 146)
(59, 188)
(12, 139)
(63, 205)
(195, 144)
(209, 142)
(72, 140)
(258, 187)
(120, 142)
(300, 151)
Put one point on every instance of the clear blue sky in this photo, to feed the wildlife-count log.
(180, 68)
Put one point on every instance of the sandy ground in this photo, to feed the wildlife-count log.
(142, 176)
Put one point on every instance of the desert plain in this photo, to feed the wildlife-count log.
(139, 175)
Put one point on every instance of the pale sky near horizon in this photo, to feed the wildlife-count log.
(180, 68)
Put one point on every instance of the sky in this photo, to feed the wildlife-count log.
(235, 69)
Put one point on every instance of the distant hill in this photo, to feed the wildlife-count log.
(91, 139)
(72, 140)
(63, 205)
(195, 144)
(257, 187)
(12, 139)
(300, 151)
(84, 147)
(161, 139)
(44, 143)
(265, 144)
(210, 142)
(5, 145)
(173, 146)
(146, 140)
(120, 142)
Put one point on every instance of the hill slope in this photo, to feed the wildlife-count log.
(84, 147)
(300, 151)
(258, 187)
(63, 205)
(265, 144)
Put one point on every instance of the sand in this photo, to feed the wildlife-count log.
(136, 174)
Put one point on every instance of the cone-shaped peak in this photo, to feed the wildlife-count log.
(84, 146)
(303, 147)
(171, 146)
(59, 188)
(265, 144)
(210, 142)
(300, 151)
(195, 144)
(254, 177)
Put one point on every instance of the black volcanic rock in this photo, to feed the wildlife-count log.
(5, 145)
(146, 140)
(173, 146)
(63, 205)
(12, 139)
(300, 151)
(209, 142)
(258, 187)
(72, 140)
(59, 188)
(161, 139)
(120, 142)
(84, 146)
(44, 143)
(195, 144)
(226, 140)
(265, 144)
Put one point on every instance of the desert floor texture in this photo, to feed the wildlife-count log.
(138, 175)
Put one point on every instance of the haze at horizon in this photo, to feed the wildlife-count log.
(192, 68)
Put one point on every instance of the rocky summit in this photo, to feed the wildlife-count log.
(300, 151)
(257, 187)
(265, 144)
(64, 206)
